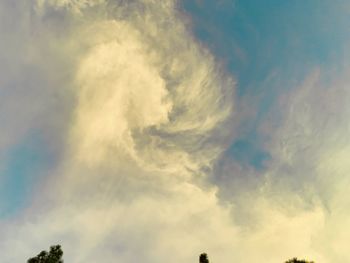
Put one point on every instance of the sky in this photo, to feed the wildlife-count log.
(153, 131)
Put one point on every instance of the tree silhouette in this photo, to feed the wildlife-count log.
(53, 256)
(295, 260)
(203, 258)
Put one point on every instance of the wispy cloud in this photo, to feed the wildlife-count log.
(137, 114)
(146, 104)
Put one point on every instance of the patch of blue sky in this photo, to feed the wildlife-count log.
(270, 46)
(248, 154)
(257, 37)
(24, 165)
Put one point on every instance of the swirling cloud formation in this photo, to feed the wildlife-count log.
(136, 117)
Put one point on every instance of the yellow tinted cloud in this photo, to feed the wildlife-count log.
(149, 104)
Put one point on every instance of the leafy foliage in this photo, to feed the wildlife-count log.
(203, 258)
(53, 256)
(295, 260)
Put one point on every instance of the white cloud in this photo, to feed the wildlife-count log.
(140, 108)
(148, 100)
(310, 150)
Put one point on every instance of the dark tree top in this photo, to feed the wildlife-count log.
(53, 256)
(295, 260)
(203, 258)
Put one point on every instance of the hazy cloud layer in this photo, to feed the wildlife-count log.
(136, 114)
(139, 130)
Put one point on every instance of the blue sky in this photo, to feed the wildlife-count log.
(122, 124)
(255, 37)
(270, 46)
(24, 166)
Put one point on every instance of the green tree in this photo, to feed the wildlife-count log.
(203, 258)
(295, 260)
(53, 256)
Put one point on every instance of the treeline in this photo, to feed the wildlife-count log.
(203, 258)
(55, 255)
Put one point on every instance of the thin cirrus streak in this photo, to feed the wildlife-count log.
(139, 112)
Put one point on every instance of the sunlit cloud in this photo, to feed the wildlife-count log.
(138, 116)
(139, 131)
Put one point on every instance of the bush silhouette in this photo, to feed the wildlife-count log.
(295, 260)
(53, 256)
(203, 258)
